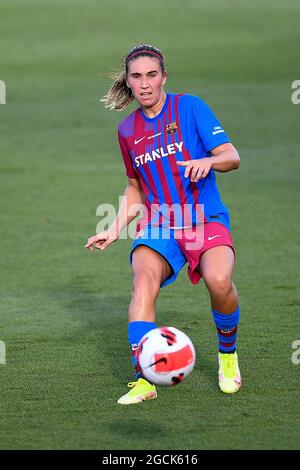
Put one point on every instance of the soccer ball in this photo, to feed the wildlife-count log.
(166, 356)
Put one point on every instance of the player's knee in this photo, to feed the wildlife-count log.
(145, 282)
(219, 284)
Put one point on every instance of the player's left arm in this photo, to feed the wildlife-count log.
(223, 158)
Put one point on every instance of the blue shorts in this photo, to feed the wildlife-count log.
(181, 250)
(163, 242)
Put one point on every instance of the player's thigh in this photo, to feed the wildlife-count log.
(144, 259)
(217, 263)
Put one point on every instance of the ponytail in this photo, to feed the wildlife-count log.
(119, 96)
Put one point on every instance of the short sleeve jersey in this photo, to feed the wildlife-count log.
(185, 129)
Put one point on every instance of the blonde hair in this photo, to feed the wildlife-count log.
(119, 96)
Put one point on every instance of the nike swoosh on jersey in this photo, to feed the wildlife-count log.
(139, 140)
(211, 238)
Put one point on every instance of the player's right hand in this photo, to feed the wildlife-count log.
(100, 241)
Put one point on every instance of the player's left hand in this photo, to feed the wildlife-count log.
(196, 169)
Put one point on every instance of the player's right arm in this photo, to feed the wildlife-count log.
(132, 202)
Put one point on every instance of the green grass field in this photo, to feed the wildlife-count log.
(64, 310)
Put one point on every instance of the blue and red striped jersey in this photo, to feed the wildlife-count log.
(185, 129)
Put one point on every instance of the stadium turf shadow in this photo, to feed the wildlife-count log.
(141, 429)
(100, 321)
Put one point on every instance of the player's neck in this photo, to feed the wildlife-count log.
(157, 107)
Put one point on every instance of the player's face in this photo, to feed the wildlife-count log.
(146, 80)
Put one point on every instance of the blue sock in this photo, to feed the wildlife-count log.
(136, 330)
(227, 325)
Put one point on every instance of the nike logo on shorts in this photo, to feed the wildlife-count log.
(214, 236)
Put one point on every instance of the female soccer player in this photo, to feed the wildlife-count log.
(171, 145)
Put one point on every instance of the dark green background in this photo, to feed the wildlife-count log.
(64, 310)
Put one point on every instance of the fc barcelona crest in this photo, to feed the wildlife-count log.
(171, 128)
